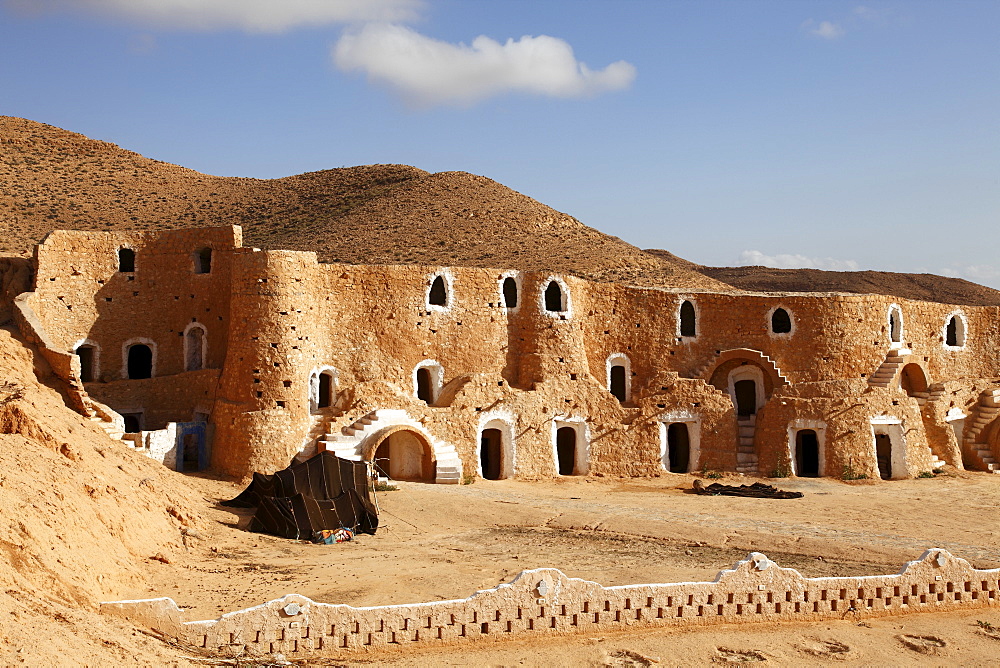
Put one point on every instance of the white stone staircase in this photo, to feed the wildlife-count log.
(887, 371)
(746, 456)
(346, 442)
(985, 412)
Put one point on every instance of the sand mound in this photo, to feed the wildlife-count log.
(375, 214)
(81, 517)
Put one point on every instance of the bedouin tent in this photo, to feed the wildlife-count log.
(323, 492)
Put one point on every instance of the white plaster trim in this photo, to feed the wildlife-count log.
(96, 370)
(204, 345)
(437, 377)
(567, 302)
(444, 454)
(619, 359)
(747, 372)
(449, 295)
(818, 426)
(504, 421)
(893, 428)
(961, 330)
(895, 308)
(791, 318)
(579, 424)
(516, 275)
(312, 389)
(955, 414)
(693, 422)
(134, 341)
(697, 319)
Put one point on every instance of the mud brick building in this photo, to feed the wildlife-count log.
(205, 353)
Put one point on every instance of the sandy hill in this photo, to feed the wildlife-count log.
(82, 517)
(378, 214)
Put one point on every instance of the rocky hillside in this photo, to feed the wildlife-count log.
(376, 214)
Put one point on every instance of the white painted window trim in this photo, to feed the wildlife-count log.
(818, 426)
(619, 359)
(791, 317)
(895, 308)
(516, 275)
(582, 463)
(567, 302)
(693, 421)
(449, 295)
(504, 422)
(437, 377)
(697, 320)
(748, 372)
(78, 370)
(893, 428)
(135, 341)
(961, 330)
(204, 345)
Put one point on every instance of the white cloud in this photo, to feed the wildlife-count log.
(255, 16)
(980, 273)
(428, 72)
(827, 30)
(866, 13)
(789, 261)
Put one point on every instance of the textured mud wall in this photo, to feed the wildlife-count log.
(274, 320)
(546, 602)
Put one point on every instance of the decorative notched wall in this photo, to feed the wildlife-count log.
(435, 373)
(546, 602)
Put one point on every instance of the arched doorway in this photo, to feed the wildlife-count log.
(404, 455)
(88, 359)
(913, 380)
(806, 454)
(140, 361)
(491, 454)
(510, 292)
(678, 448)
(688, 323)
(554, 298)
(566, 450)
(883, 455)
(424, 388)
(325, 397)
(618, 388)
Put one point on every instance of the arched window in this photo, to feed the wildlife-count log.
(554, 298)
(688, 319)
(438, 296)
(781, 322)
(126, 260)
(194, 348)
(954, 331)
(140, 361)
(203, 261)
(87, 355)
(619, 377)
(427, 381)
(424, 392)
(510, 292)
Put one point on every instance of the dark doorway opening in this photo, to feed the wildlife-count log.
(746, 397)
(439, 294)
(883, 454)
(688, 323)
(203, 261)
(566, 450)
(618, 382)
(678, 447)
(424, 385)
(509, 292)
(133, 422)
(781, 322)
(554, 298)
(325, 390)
(191, 455)
(895, 325)
(126, 260)
(807, 454)
(951, 335)
(140, 361)
(86, 355)
(491, 453)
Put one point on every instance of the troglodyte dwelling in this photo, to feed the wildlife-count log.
(203, 353)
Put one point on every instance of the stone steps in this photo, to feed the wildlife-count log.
(985, 412)
(886, 372)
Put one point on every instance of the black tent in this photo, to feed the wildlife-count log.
(323, 492)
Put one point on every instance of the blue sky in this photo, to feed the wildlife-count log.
(829, 134)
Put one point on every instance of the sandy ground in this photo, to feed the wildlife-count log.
(443, 542)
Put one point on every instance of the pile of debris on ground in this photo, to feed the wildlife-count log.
(758, 490)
